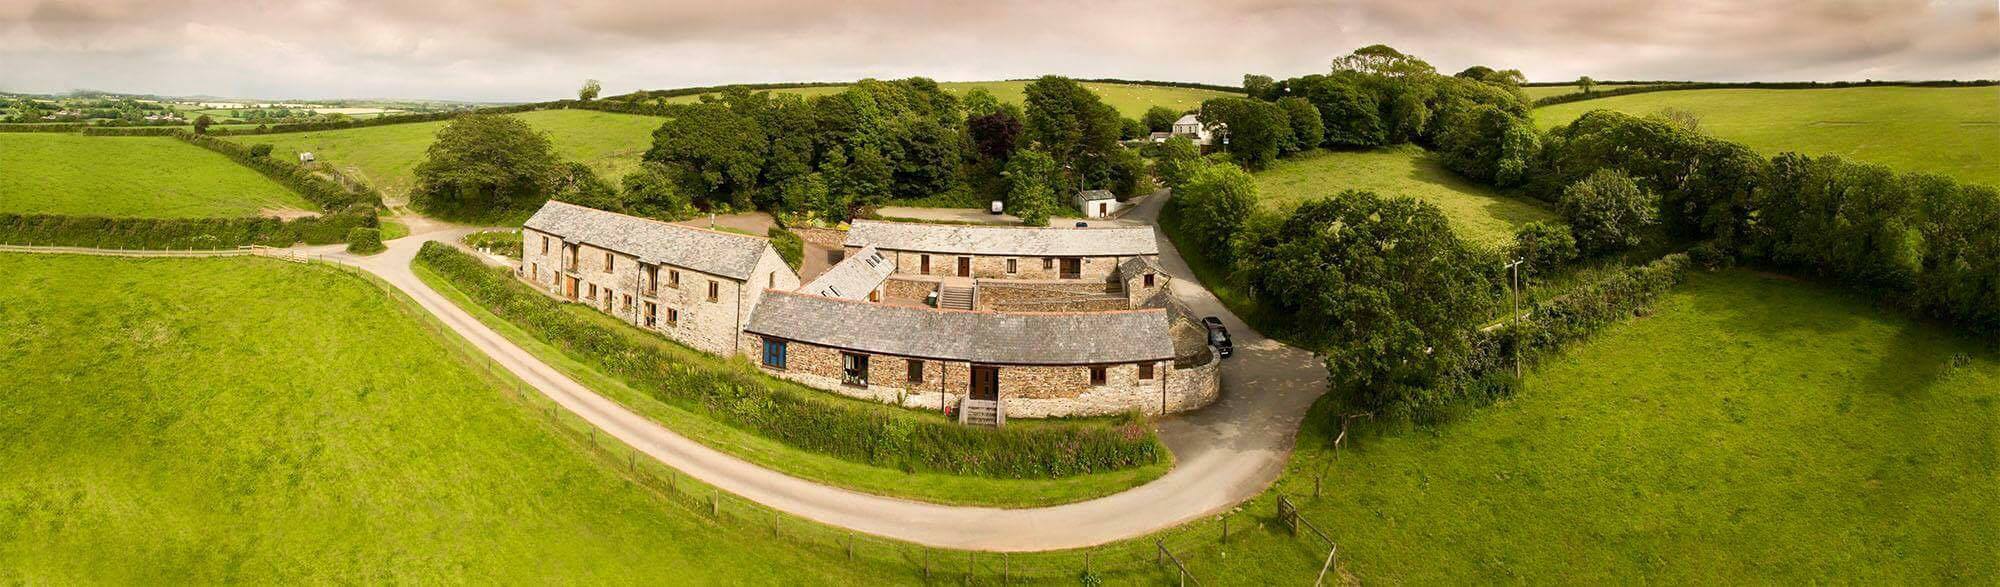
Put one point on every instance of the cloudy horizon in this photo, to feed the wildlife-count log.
(523, 50)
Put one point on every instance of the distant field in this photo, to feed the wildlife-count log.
(1752, 429)
(215, 421)
(1539, 92)
(1477, 212)
(148, 177)
(1948, 131)
(387, 156)
(1131, 100)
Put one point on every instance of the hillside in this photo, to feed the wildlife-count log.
(387, 156)
(1477, 212)
(1948, 131)
(1131, 100)
(130, 177)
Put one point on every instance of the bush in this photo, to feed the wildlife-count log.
(179, 233)
(1607, 211)
(789, 246)
(1575, 315)
(746, 399)
(364, 241)
(260, 150)
(1214, 204)
(1543, 247)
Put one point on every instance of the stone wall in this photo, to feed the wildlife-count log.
(1025, 391)
(698, 322)
(1049, 296)
(1095, 269)
(908, 292)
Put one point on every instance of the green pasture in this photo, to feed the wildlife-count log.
(1948, 131)
(1752, 429)
(387, 156)
(1477, 212)
(146, 177)
(203, 421)
(1131, 100)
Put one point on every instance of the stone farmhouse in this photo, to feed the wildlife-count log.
(693, 285)
(985, 322)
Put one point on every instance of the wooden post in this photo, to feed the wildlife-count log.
(850, 546)
(1225, 528)
(969, 565)
(927, 565)
(1006, 569)
(715, 505)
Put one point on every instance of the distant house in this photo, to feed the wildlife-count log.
(1159, 137)
(1190, 126)
(1098, 203)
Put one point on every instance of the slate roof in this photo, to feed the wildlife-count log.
(1078, 338)
(1019, 241)
(853, 277)
(1139, 266)
(717, 253)
(1188, 119)
(1095, 195)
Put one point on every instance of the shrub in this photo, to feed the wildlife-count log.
(364, 241)
(1607, 211)
(179, 233)
(736, 395)
(1214, 204)
(789, 245)
(1543, 247)
(1578, 313)
(260, 150)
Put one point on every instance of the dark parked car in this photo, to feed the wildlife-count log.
(1082, 224)
(1218, 336)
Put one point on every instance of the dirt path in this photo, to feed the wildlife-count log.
(1226, 453)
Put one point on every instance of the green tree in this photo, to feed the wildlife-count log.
(1130, 128)
(1032, 178)
(1160, 119)
(1308, 127)
(1179, 160)
(979, 102)
(1383, 60)
(589, 91)
(1072, 125)
(1351, 116)
(720, 151)
(1129, 174)
(1255, 128)
(652, 191)
(260, 150)
(1261, 87)
(926, 159)
(481, 164)
(1608, 211)
(1586, 84)
(1382, 287)
(1543, 248)
(1214, 205)
(577, 184)
(201, 124)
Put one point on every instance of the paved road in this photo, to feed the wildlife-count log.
(1226, 453)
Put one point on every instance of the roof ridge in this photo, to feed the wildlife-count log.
(996, 226)
(665, 223)
(805, 294)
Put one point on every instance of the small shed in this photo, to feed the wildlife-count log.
(1098, 203)
(306, 157)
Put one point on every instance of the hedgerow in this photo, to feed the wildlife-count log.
(177, 233)
(328, 195)
(747, 400)
(41, 127)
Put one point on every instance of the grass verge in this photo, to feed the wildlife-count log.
(776, 455)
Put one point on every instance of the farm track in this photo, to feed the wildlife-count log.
(1225, 454)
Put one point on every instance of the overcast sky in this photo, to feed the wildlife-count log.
(523, 50)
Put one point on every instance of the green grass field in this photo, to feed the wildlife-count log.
(1539, 92)
(776, 455)
(1948, 131)
(1131, 100)
(1753, 429)
(1477, 212)
(387, 156)
(148, 177)
(251, 421)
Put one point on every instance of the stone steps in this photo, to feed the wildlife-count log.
(955, 298)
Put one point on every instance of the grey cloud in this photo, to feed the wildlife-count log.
(527, 49)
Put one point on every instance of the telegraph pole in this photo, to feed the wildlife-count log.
(1514, 284)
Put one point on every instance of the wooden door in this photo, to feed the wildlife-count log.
(569, 287)
(985, 383)
(1072, 268)
(965, 266)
